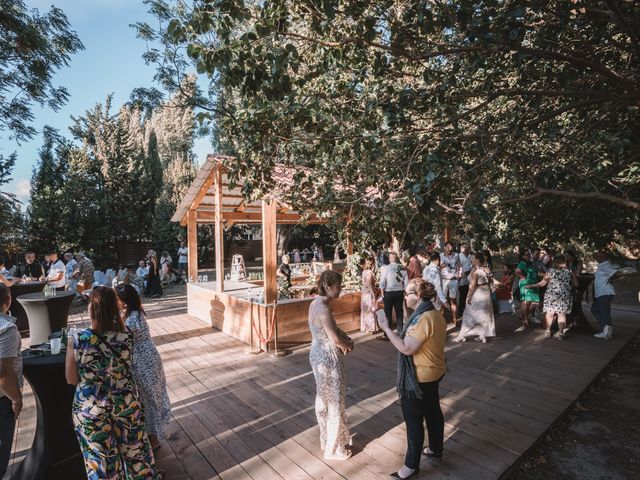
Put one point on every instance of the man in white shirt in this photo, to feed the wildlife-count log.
(431, 274)
(10, 378)
(604, 293)
(393, 281)
(463, 285)
(70, 268)
(57, 271)
(183, 258)
(451, 271)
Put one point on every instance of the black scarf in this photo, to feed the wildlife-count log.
(407, 381)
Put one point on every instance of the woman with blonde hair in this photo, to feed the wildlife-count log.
(421, 367)
(329, 345)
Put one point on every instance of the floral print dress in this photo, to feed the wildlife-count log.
(149, 376)
(331, 389)
(107, 415)
(558, 297)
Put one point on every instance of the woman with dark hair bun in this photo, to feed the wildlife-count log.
(328, 346)
(147, 366)
(421, 367)
(106, 410)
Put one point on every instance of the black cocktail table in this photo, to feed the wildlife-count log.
(46, 314)
(17, 310)
(55, 452)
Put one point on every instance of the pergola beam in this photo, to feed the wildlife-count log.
(219, 228)
(239, 217)
(269, 251)
(192, 245)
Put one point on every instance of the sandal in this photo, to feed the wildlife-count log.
(547, 334)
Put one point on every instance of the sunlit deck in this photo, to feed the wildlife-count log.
(241, 416)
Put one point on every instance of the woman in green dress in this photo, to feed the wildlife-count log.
(107, 415)
(529, 297)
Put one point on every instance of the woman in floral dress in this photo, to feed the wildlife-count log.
(147, 367)
(558, 298)
(106, 412)
(329, 344)
(368, 302)
(478, 317)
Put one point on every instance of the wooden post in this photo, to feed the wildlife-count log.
(192, 245)
(348, 235)
(269, 251)
(447, 230)
(349, 245)
(219, 229)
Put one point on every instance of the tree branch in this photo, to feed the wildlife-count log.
(541, 192)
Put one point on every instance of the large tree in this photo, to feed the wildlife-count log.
(10, 216)
(517, 120)
(33, 47)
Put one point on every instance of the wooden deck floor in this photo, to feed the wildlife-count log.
(240, 416)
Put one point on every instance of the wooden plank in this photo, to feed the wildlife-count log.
(192, 245)
(219, 229)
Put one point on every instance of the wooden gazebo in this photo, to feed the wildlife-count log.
(211, 199)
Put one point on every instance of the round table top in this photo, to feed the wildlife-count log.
(40, 297)
(41, 358)
(27, 284)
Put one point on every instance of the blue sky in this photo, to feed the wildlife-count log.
(110, 63)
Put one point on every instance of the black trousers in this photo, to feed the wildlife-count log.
(7, 425)
(415, 414)
(463, 291)
(394, 301)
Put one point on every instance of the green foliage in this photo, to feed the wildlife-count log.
(492, 114)
(11, 222)
(117, 182)
(33, 47)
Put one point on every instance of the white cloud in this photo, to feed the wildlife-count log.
(22, 190)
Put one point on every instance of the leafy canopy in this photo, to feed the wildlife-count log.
(511, 120)
(33, 47)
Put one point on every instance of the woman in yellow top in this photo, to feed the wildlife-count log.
(421, 366)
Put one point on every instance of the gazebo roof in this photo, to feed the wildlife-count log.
(201, 197)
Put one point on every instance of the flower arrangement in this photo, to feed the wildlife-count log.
(352, 274)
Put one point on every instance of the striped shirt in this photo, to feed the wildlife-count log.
(10, 343)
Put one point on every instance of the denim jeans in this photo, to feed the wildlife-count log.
(601, 309)
(7, 425)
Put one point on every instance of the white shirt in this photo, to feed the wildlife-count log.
(183, 253)
(431, 274)
(451, 267)
(10, 343)
(54, 270)
(467, 266)
(389, 278)
(71, 266)
(604, 272)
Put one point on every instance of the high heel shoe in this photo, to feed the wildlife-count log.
(413, 474)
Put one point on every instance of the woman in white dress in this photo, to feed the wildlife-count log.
(478, 319)
(329, 345)
(368, 302)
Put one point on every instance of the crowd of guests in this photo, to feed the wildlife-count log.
(120, 407)
(470, 294)
(416, 291)
(76, 272)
